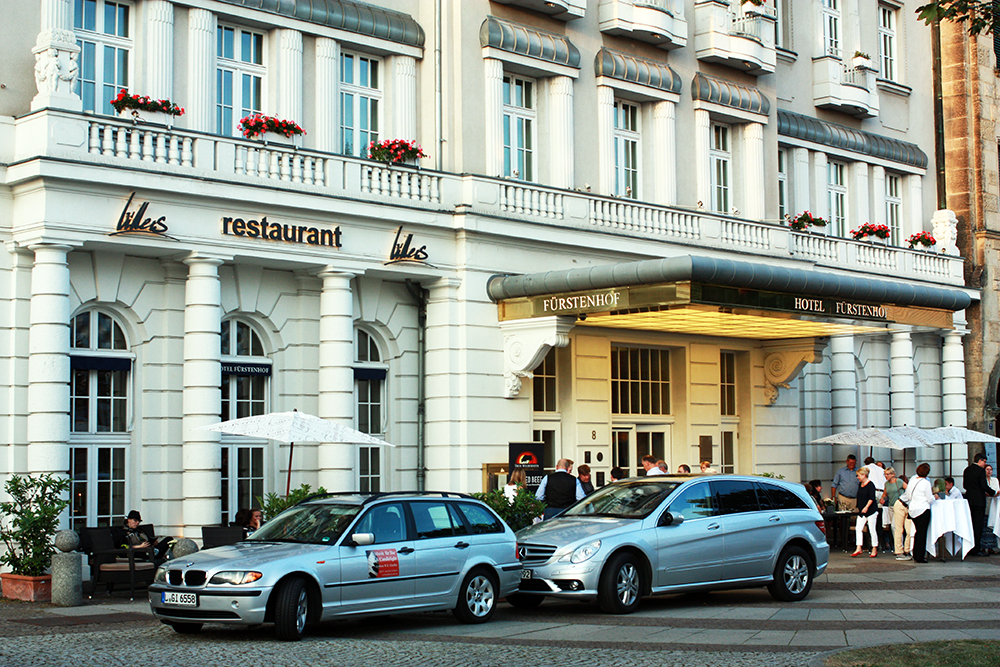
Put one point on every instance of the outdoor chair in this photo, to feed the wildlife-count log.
(110, 564)
(218, 536)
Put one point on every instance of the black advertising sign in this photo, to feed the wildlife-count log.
(530, 457)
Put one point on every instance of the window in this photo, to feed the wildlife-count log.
(242, 473)
(626, 137)
(436, 519)
(519, 117)
(782, 498)
(728, 464)
(694, 502)
(480, 519)
(831, 28)
(369, 386)
(544, 384)
(640, 381)
(779, 28)
(387, 522)
(887, 41)
(782, 184)
(239, 77)
(548, 438)
(727, 383)
(244, 384)
(837, 193)
(103, 36)
(735, 496)
(360, 100)
(893, 206)
(720, 157)
(100, 367)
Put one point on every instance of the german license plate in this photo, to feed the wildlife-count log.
(527, 574)
(180, 599)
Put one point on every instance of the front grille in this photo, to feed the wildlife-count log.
(536, 585)
(533, 555)
(186, 577)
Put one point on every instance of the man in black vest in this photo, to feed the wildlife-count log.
(976, 490)
(559, 489)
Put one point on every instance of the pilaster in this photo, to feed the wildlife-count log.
(493, 128)
(200, 107)
(664, 159)
(159, 42)
(753, 173)
(606, 139)
(560, 158)
(404, 102)
(289, 106)
(703, 166)
(327, 104)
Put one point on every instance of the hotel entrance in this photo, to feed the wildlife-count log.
(631, 443)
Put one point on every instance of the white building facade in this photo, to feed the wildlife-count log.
(593, 255)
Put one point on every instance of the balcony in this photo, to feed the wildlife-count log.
(66, 146)
(735, 37)
(844, 88)
(564, 10)
(658, 22)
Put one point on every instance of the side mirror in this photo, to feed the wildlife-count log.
(360, 540)
(668, 519)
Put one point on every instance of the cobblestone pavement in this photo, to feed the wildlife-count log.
(858, 602)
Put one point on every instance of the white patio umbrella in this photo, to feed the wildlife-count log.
(896, 437)
(292, 427)
(952, 434)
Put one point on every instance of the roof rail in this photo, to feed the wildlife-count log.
(375, 495)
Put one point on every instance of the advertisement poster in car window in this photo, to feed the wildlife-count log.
(382, 563)
(530, 457)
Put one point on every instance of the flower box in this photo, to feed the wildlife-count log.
(277, 138)
(271, 129)
(144, 109)
(922, 239)
(803, 221)
(867, 230)
(25, 588)
(395, 151)
(861, 61)
(138, 116)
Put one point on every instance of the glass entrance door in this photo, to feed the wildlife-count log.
(631, 443)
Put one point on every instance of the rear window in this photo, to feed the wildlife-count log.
(736, 496)
(435, 520)
(480, 519)
(783, 499)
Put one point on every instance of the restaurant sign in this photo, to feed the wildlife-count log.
(266, 230)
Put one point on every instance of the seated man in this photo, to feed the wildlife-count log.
(133, 538)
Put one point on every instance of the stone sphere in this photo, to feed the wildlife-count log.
(184, 547)
(67, 540)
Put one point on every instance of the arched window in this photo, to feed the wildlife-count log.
(245, 373)
(100, 418)
(369, 389)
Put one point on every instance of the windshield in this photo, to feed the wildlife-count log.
(627, 501)
(311, 524)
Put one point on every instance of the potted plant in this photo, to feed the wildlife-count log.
(921, 238)
(804, 221)
(144, 109)
(862, 60)
(395, 151)
(753, 7)
(269, 128)
(28, 523)
(868, 229)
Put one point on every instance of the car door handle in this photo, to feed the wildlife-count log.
(406, 550)
(462, 545)
(775, 519)
(714, 526)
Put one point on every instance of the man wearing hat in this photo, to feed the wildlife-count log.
(134, 538)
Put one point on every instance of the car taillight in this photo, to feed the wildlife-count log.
(822, 526)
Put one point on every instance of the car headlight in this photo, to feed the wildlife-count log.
(235, 578)
(582, 554)
(161, 576)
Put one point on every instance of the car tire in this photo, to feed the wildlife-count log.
(477, 597)
(793, 575)
(620, 587)
(525, 601)
(185, 628)
(291, 609)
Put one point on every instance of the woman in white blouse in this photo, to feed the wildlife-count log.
(921, 498)
(989, 541)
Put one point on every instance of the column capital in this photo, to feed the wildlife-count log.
(198, 258)
(334, 272)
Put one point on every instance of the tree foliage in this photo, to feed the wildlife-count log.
(519, 514)
(272, 504)
(980, 16)
(29, 522)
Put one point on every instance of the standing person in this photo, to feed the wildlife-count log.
(894, 488)
(976, 490)
(650, 466)
(877, 477)
(583, 475)
(989, 541)
(867, 511)
(707, 469)
(514, 484)
(617, 474)
(921, 499)
(845, 486)
(559, 489)
(683, 469)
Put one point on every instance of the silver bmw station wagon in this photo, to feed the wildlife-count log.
(667, 534)
(347, 555)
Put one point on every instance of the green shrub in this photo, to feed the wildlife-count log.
(517, 515)
(29, 522)
(272, 504)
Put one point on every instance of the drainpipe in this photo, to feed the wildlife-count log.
(438, 77)
(419, 295)
(942, 191)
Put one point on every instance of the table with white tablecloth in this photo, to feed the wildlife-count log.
(993, 514)
(952, 520)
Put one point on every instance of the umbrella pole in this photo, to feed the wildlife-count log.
(288, 484)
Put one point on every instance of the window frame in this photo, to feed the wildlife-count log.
(259, 385)
(783, 207)
(888, 46)
(627, 136)
(526, 118)
(101, 41)
(832, 40)
(837, 193)
(233, 496)
(371, 463)
(640, 385)
(238, 68)
(544, 385)
(720, 157)
(362, 96)
(86, 492)
(894, 205)
(121, 403)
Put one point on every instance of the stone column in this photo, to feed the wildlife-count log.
(159, 42)
(800, 182)
(560, 158)
(753, 172)
(200, 108)
(48, 363)
(843, 381)
(404, 99)
(57, 64)
(901, 382)
(703, 166)
(664, 160)
(336, 461)
(326, 135)
(606, 140)
(289, 106)
(201, 482)
(493, 101)
(444, 385)
(953, 403)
